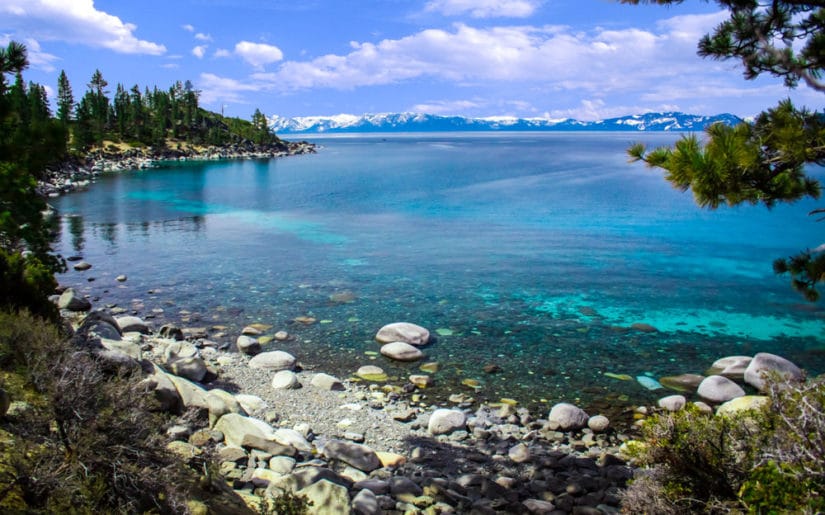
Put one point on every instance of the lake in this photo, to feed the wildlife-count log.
(532, 252)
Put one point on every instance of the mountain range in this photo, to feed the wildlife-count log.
(415, 122)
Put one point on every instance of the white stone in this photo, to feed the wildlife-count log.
(732, 367)
(285, 380)
(567, 417)
(598, 423)
(718, 389)
(235, 426)
(672, 402)
(401, 351)
(286, 436)
(403, 332)
(273, 360)
(327, 382)
(444, 421)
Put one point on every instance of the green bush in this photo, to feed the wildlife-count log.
(766, 461)
(26, 283)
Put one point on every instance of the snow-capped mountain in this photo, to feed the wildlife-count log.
(414, 122)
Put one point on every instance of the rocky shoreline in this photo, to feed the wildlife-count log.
(77, 173)
(366, 445)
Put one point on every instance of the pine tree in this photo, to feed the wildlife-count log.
(763, 162)
(65, 99)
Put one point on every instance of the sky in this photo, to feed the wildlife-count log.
(583, 59)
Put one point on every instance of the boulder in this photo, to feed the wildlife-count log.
(285, 380)
(742, 404)
(327, 382)
(131, 349)
(252, 441)
(220, 402)
(366, 503)
(401, 351)
(165, 391)
(130, 324)
(444, 421)
(598, 423)
(719, 389)
(291, 437)
(171, 332)
(357, 455)
(192, 395)
(672, 402)
(273, 360)
(248, 345)
(236, 427)
(766, 363)
(403, 332)
(519, 453)
(732, 367)
(192, 368)
(327, 498)
(251, 403)
(73, 301)
(179, 349)
(567, 417)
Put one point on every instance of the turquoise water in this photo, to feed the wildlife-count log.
(535, 252)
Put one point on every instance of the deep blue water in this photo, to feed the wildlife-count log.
(535, 252)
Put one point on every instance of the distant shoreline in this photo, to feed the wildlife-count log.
(77, 173)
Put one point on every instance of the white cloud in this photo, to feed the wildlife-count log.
(219, 90)
(75, 21)
(170, 66)
(258, 54)
(445, 107)
(200, 36)
(484, 8)
(222, 52)
(199, 51)
(188, 28)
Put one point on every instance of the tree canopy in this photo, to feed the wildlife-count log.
(766, 161)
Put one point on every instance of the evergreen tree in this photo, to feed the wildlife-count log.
(764, 162)
(65, 99)
(98, 103)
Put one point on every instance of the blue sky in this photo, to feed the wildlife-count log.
(585, 59)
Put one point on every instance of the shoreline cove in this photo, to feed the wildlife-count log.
(77, 173)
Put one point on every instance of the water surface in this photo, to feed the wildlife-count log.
(534, 252)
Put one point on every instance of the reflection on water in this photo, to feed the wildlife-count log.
(535, 255)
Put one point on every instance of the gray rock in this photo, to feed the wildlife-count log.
(598, 423)
(519, 453)
(285, 380)
(82, 266)
(732, 367)
(357, 455)
(366, 503)
(327, 498)
(192, 395)
(130, 324)
(192, 368)
(672, 402)
(538, 506)
(221, 402)
(401, 351)
(273, 360)
(73, 301)
(403, 332)
(400, 485)
(251, 403)
(253, 441)
(445, 421)
(327, 382)
(178, 349)
(567, 417)
(236, 427)
(766, 363)
(129, 348)
(292, 438)
(248, 345)
(718, 389)
(282, 464)
(164, 389)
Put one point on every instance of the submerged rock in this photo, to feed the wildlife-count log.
(372, 373)
(403, 332)
(401, 351)
(687, 383)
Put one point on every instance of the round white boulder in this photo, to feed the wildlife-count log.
(567, 417)
(403, 332)
(444, 421)
(719, 389)
(401, 351)
(273, 360)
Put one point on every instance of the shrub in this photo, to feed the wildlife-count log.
(26, 283)
(766, 461)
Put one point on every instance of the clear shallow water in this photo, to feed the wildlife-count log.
(533, 252)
